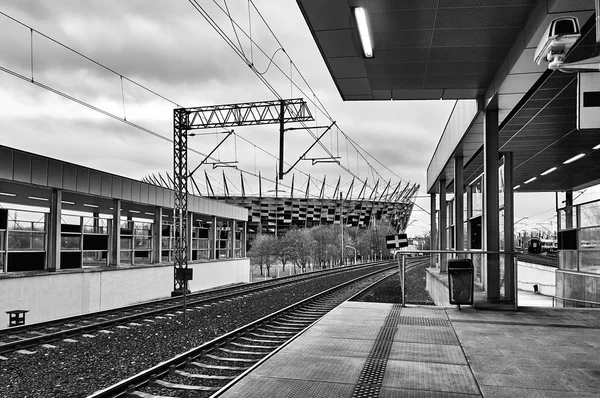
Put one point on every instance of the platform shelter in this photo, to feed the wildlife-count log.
(515, 126)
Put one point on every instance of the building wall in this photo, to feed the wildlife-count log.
(578, 286)
(51, 295)
(536, 274)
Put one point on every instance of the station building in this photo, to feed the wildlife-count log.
(75, 240)
(516, 126)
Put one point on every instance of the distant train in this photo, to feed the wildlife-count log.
(537, 245)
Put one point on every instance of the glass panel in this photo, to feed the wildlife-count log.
(501, 185)
(477, 265)
(465, 214)
(143, 229)
(126, 243)
(125, 257)
(203, 243)
(590, 214)
(26, 221)
(2, 240)
(567, 259)
(143, 243)
(589, 261)
(126, 227)
(93, 225)
(589, 238)
(476, 197)
(70, 242)
(166, 243)
(18, 241)
(94, 258)
(501, 230)
(203, 254)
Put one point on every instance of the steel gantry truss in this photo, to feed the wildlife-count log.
(230, 115)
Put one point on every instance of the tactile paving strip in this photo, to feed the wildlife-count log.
(411, 320)
(371, 376)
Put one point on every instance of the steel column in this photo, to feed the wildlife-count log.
(509, 227)
(180, 188)
(491, 204)
(442, 225)
(433, 242)
(459, 234)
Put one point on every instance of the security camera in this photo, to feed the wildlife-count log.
(556, 41)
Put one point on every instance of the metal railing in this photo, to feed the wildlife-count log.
(456, 253)
(554, 298)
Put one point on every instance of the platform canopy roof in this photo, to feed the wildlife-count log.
(469, 49)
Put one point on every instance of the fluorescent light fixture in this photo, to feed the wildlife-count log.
(550, 170)
(574, 158)
(363, 30)
(134, 211)
(149, 214)
(66, 202)
(7, 194)
(596, 147)
(36, 198)
(164, 215)
(88, 205)
(517, 186)
(530, 180)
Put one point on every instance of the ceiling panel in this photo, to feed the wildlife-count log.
(456, 46)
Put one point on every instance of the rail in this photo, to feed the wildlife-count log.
(554, 298)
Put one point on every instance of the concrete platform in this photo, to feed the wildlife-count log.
(383, 350)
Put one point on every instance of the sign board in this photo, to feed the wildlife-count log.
(184, 274)
(588, 100)
(396, 241)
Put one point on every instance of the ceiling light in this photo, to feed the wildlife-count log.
(574, 158)
(530, 180)
(7, 194)
(517, 187)
(550, 170)
(66, 202)
(363, 30)
(134, 211)
(596, 147)
(36, 198)
(149, 214)
(88, 205)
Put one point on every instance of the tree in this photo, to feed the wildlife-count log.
(263, 252)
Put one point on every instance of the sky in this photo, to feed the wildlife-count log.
(168, 47)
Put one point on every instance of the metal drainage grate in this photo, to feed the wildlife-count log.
(418, 321)
(371, 376)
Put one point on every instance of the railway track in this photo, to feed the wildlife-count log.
(213, 366)
(27, 336)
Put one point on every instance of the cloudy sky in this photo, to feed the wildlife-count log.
(169, 47)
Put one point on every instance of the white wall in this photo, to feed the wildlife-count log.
(535, 274)
(66, 293)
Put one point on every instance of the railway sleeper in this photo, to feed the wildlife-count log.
(254, 346)
(268, 336)
(177, 386)
(260, 340)
(244, 352)
(219, 367)
(141, 394)
(226, 359)
(288, 332)
(282, 327)
(202, 376)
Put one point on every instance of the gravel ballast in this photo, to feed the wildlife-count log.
(390, 290)
(76, 369)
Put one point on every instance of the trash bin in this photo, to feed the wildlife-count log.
(460, 281)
